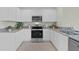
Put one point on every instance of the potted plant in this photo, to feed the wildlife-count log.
(19, 25)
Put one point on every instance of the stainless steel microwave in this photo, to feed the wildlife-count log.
(36, 18)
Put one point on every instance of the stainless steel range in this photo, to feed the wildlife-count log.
(37, 30)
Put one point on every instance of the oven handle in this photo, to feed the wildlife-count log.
(36, 29)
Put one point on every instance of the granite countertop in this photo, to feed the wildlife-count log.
(4, 30)
(75, 37)
(14, 30)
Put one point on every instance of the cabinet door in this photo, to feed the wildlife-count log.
(8, 13)
(12, 13)
(36, 12)
(46, 34)
(19, 38)
(3, 13)
(25, 15)
(7, 42)
(49, 15)
(27, 34)
(18, 18)
(61, 42)
(53, 37)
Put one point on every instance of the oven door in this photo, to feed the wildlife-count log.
(37, 34)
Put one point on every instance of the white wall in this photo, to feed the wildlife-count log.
(68, 16)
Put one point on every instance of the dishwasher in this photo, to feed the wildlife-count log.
(73, 45)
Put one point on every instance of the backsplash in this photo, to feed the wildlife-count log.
(41, 23)
(5, 24)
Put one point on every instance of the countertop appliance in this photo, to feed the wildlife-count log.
(73, 45)
(36, 18)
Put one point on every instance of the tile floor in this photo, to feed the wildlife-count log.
(39, 46)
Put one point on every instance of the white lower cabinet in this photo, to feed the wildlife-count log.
(19, 38)
(60, 41)
(27, 34)
(11, 41)
(46, 34)
(22, 35)
(7, 42)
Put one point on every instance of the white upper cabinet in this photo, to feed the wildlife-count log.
(19, 14)
(49, 15)
(24, 15)
(8, 13)
(3, 13)
(36, 12)
(12, 11)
